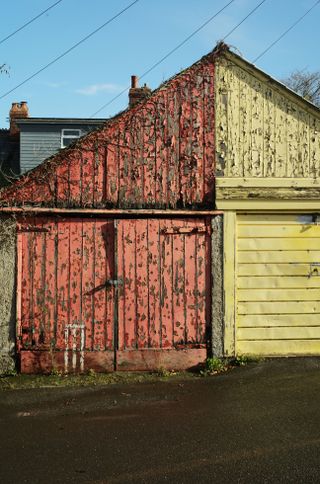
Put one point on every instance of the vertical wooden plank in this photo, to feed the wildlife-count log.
(293, 166)
(126, 194)
(229, 274)
(314, 147)
(269, 132)
(99, 165)
(202, 242)
(88, 171)
(142, 304)
(50, 283)
(172, 144)
(166, 289)
(111, 173)
(88, 280)
(185, 137)
(76, 249)
(154, 278)
(100, 258)
(245, 120)
(191, 286)
(179, 296)
(136, 161)
(37, 286)
(209, 120)
(161, 150)
(63, 184)
(233, 121)
(120, 269)
(75, 178)
(26, 285)
(304, 143)
(64, 280)
(221, 117)
(281, 135)
(109, 238)
(257, 114)
(127, 306)
(196, 179)
(149, 155)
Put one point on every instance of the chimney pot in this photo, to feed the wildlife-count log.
(134, 82)
(136, 93)
(18, 110)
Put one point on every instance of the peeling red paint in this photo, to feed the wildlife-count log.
(104, 286)
(158, 154)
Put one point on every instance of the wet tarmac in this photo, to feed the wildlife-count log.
(255, 424)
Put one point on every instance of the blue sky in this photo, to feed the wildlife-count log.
(80, 83)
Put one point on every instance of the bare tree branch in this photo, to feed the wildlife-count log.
(306, 84)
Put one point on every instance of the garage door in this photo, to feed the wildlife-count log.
(278, 285)
(112, 294)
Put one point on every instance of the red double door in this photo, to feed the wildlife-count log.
(112, 294)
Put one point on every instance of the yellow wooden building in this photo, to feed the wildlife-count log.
(268, 187)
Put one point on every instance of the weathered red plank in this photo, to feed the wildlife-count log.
(64, 281)
(88, 280)
(75, 328)
(151, 359)
(49, 263)
(38, 285)
(161, 152)
(87, 179)
(191, 286)
(110, 274)
(127, 297)
(142, 284)
(173, 144)
(112, 173)
(75, 178)
(99, 175)
(179, 296)
(202, 275)
(208, 119)
(26, 302)
(166, 300)
(63, 183)
(44, 362)
(154, 281)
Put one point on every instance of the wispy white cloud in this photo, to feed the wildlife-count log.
(96, 88)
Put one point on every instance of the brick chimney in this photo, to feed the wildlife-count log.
(18, 110)
(136, 93)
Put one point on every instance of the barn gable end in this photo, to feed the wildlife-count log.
(159, 154)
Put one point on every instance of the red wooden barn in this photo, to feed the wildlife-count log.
(114, 238)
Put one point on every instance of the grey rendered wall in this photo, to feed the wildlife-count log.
(39, 141)
(217, 286)
(7, 294)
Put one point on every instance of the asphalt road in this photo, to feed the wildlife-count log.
(259, 423)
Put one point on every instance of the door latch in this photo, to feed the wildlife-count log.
(115, 282)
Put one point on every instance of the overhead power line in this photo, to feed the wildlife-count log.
(285, 33)
(70, 49)
(180, 45)
(164, 57)
(29, 22)
(244, 19)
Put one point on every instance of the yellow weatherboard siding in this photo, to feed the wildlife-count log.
(262, 130)
(277, 285)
